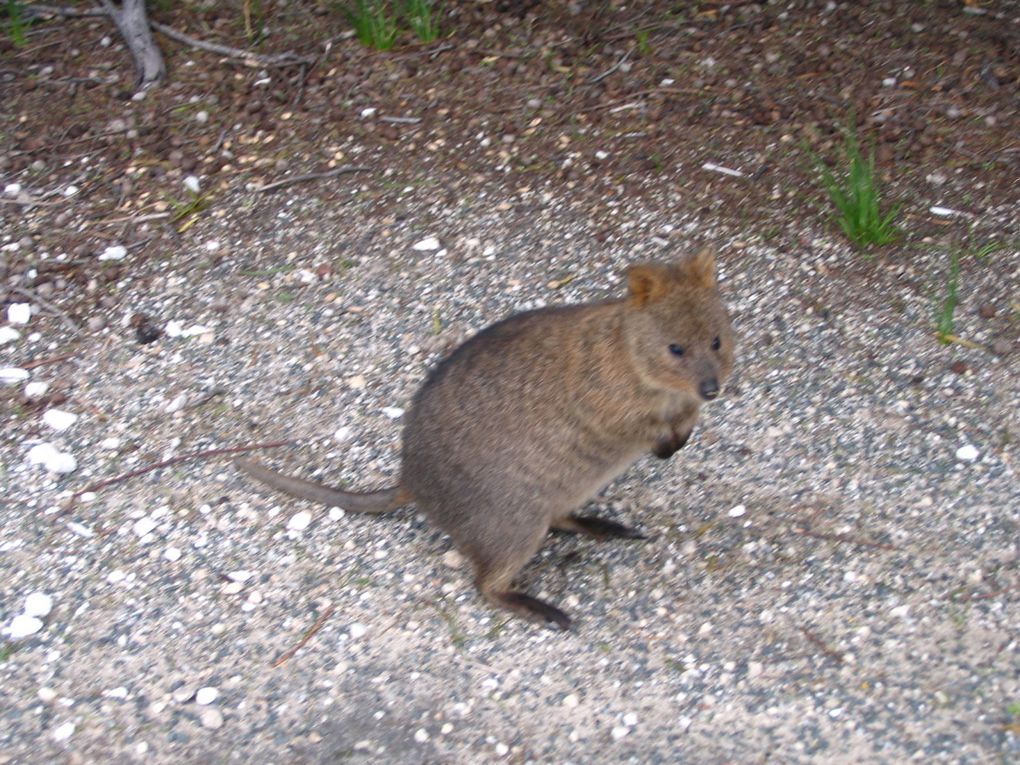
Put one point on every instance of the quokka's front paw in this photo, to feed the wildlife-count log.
(667, 447)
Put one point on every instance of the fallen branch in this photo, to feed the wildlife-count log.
(48, 360)
(313, 177)
(613, 68)
(106, 482)
(844, 538)
(817, 642)
(289, 653)
(66, 320)
(247, 58)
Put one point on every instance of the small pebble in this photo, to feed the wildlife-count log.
(453, 559)
(95, 323)
(619, 731)
(1001, 347)
(63, 732)
(58, 419)
(967, 453)
(393, 412)
(736, 512)
(19, 313)
(958, 367)
(144, 526)
(36, 389)
(38, 604)
(986, 311)
(13, 375)
(23, 626)
(358, 630)
(206, 695)
(8, 335)
(299, 521)
(211, 718)
(113, 252)
(192, 184)
(172, 554)
(421, 735)
(570, 700)
(46, 695)
(184, 694)
(427, 244)
(52, 459)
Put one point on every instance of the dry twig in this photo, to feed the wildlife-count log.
(312, 177)
(843, 538)
(289, 653)
(172, 461)
(821, 645)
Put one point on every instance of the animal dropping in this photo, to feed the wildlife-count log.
(529, 419)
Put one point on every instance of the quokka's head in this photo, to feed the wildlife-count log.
(678, 332)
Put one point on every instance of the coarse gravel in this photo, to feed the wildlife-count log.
(831, 569)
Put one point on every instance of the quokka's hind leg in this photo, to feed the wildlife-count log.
(597, 528)
(496, 565)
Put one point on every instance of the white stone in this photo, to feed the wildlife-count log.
(368, 111)
(46, 694)
(144, 526)
(113, 252)
(900, 612)
(116, 576)
(358, 630)
(71, 190)
(12, 189)
(23, 626)
(967, 453)
(13, 375)
(211, 718)
(393, 412)
(502, 750)
(8, 335)
(120, 692)
(336, 513)
(206, 695)
(630, 719)
(58, 419)
(570, 700)
(619, 731)
(172, 554)
(38, 604)
(52, 459)
(343, 434)
(36, 389)
(202, 117)
(299, 521)
(428, 244)
(192, 184)
(453, 559)
(241, 575)
(736, 512)
(357, 382)
(63, 732)
(19, 313)
(110, 444)
(421, 735)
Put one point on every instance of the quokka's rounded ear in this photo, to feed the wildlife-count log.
(647, 282)
(700, 269)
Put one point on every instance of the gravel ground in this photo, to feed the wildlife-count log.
(831, 573)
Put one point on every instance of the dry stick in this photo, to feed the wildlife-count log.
(313, 177)
(50, 360)
(613, 68)
(246, 57)
(173, 461)
(289, 653)
(844, 538)
(251, 59)
(821, 645)
(64, 318)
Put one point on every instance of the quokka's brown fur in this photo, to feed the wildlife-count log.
(529, 419)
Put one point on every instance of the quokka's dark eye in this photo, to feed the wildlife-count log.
(676, 350)
(716, 344)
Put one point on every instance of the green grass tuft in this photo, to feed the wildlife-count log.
(15, 24)
(855, 195)
(421, 16)
(373, 22)
(946, 310)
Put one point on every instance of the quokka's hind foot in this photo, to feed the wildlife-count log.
(530, 608)
(598, 528)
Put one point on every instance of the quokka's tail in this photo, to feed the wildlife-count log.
(381, 501)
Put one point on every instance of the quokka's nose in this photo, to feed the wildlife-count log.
(709, 389)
